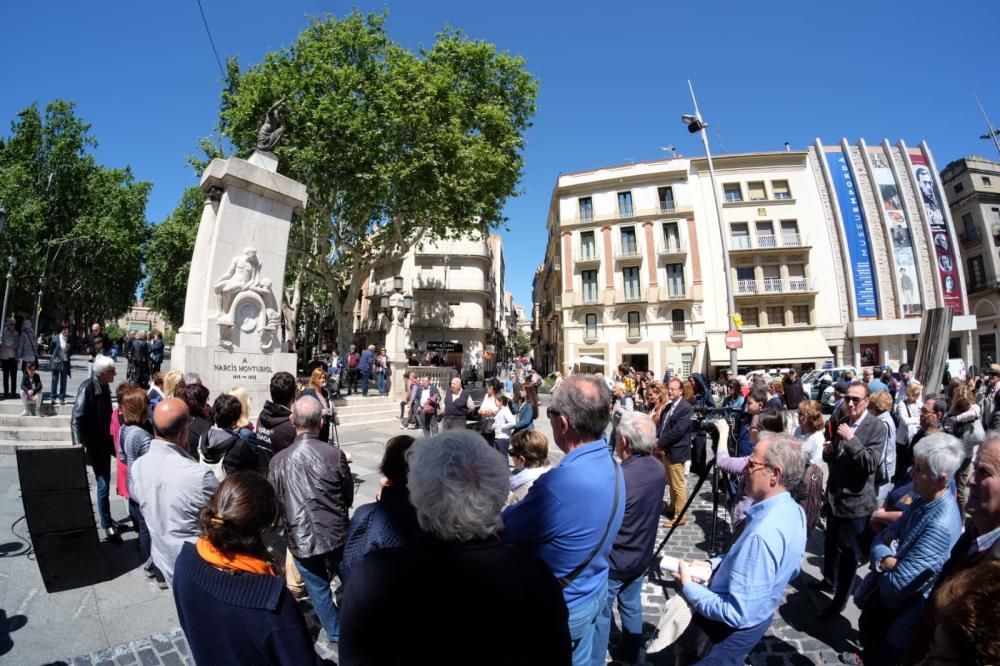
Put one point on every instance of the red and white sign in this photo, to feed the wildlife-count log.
(734, 340)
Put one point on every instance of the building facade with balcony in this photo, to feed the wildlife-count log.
(457, 301)
(835, 253)
(972, 187)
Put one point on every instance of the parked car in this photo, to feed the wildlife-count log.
(818, 384)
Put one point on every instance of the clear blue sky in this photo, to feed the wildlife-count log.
(613, 77)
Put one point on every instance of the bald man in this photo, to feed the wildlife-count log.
(172, 486)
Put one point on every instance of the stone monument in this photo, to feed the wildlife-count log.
(232, 316)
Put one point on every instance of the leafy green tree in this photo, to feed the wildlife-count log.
(522, 344)
(395, 147)
(168, 257)
(75, 227)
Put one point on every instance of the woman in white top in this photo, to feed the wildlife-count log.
(908, 411)
(810, 431)
(503, 424)
(487, 410)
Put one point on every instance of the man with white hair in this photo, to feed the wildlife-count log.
(90, 428)
(457, 484)
(315, 487)
(573, 512)
(732, 612)
(644, 486)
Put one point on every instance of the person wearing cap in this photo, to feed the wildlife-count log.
(991, 415)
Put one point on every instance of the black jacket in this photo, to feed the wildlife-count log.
(275, 431)
(314, 485)
(236, 449)
(794, 393)
(850, 492)
(90, 425)
(92, 348)
(674, 433)
(644, 485)
(500, 604)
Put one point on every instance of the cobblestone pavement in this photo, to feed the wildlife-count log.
(796, 636)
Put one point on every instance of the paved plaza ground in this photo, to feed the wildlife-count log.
(127, 620)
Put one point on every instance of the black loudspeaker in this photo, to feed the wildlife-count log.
(60, 517)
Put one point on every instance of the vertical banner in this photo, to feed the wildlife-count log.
(944, 250)
(855, 233)
(899, 232)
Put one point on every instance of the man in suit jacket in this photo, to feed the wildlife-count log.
(674, 436)
(90, 428)
(853, 456)
(991, 415)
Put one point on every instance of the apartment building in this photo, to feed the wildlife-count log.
(972, 187)
(456, 291)
(835, 252)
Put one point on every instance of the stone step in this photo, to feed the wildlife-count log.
(9, 448)
(13, 407)
(33, 433)
(357, 421)
(48, 421)
(353, 400)
(361, 410)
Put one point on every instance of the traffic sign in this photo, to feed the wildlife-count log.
(734, 340)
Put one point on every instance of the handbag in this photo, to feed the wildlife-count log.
(674, 621)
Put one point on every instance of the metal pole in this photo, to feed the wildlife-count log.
(989, 125)
(6, 291)
(730, 298)
(38, 307)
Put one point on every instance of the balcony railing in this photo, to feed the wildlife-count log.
(634, 295)
(587, 253)
(667, 207)
(774, 286)
(657, 209)
(440, 322)
(680, 329)
(768, 241)
(628, 251)
(590, 299)
(453, 283)
(463, 248)
(673, 246)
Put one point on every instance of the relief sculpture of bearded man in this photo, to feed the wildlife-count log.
(242, 275)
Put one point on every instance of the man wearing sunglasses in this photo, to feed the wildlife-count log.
(853, 456)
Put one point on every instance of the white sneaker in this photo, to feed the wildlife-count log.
(24, 413)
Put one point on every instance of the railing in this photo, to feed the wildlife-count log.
(971, 236)
(453, 284)
(768, 241)
(448, 322)
(772, 285)
(623, 213)
(634, 295)
(746, 286)
(658, 209)
(680, 329)
(676, 290)
(587, 253)
(467, 248)
(667, 207)
(673, 246)
(800, 284)
(590, 299)
(782, 196)
(628, 251)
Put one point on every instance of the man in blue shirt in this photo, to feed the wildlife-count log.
(365, 368)
(732, 613)
(572, 513)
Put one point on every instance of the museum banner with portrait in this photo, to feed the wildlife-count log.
(944, 249)
(898, 228)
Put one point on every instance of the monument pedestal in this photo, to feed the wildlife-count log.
(232, 315)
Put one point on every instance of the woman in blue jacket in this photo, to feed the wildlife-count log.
(907, 556)
(525, 413)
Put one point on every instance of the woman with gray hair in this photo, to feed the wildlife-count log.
(457, 485)
(907, 556)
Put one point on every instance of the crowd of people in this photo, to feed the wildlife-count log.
(242, 517)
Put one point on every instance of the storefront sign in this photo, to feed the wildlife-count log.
(944, 249)
(855, 234)
(899, 232)
(443, 346)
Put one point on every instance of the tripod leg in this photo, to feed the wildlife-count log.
(677, 518)
(715, 509)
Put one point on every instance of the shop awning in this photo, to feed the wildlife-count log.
(771, 348)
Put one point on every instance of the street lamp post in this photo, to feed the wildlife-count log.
(11, 262)
(695, 123)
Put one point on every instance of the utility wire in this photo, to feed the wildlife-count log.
(210, 40)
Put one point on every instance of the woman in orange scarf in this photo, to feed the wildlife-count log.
(232, 604)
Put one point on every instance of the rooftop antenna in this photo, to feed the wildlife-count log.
(788, 147)
(993, 133)
(673, 151)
